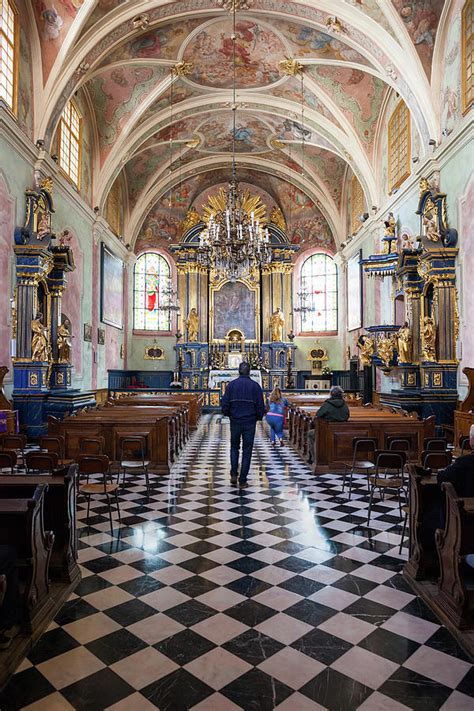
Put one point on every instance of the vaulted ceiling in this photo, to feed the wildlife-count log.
(166, 135)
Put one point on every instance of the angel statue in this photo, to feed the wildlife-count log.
(428, 333)
(385, 350)
(64, 341)
(404, 344)
(192, 324)
(390, 225)
(366, 345)
(40, 348)
(276, 325)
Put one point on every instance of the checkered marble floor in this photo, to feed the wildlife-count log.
(276, 598)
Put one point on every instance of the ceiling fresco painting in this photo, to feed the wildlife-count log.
(116, 93)
(155, 136)
(421, 18)
(54, 19)
(258, 51)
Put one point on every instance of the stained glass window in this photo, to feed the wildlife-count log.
(152, 279)
(69, 142)
(8, 63)
(318, 279)
(468, 55)
(398, 146)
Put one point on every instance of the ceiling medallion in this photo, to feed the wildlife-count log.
(182, 69)
(334, 24)
(291, 67)
(234, 5)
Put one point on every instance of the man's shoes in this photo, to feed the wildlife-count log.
(243, 485)
(233, 479)
(282, 443)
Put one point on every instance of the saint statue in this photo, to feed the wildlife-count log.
(366, 345)
(276, 325)
(64, 342)
(390, 225)
(40, 348)
(192, 324)
(404, 344)
(430, 223)
(428, 334)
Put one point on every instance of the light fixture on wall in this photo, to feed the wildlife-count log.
(302, 306)
(235, 241)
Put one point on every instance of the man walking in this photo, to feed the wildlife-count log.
(243, 404)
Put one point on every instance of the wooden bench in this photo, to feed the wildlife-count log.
(161, 428)
(22, 526)
(333, 440)
(194, 403)
(456, 586)
(59, 513)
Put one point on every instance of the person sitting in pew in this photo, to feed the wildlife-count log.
(10, 609)
(335, 409)
(461, 472)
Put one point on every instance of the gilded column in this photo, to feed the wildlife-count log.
(266, 299)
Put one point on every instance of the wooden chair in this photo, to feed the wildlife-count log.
(92, 445)
(98, 466)
(435, 444)
(16, 442)
(388, 475)
(55, 445)
(435, 460)
(42, 462)
(363, 460)
(132, 459)
(8, 460)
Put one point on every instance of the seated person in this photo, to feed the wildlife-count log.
(335, 409)
(10, 610)
(461, 472)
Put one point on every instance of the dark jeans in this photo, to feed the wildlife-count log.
(241, 430)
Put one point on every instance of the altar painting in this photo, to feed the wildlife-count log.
(234, 307)
(111, 289)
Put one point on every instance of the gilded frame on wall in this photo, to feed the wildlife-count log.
(154, 353)
(216, 289)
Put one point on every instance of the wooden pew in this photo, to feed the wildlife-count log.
(456, 591)
(156, 425)
(333, 440)
(59, 516)
(434, 568)
(193, 402)
(22, 525)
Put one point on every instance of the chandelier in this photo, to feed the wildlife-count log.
(236, 240)
(302, 307)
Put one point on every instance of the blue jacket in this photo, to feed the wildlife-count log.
(243, 400)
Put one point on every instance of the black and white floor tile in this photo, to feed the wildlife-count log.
(278, 597)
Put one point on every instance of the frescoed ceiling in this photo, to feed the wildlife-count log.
(159, 82)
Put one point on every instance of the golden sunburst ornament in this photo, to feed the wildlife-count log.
(216, 205)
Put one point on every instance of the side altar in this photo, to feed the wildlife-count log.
(421, 348)
(226, 321)
(41, 343)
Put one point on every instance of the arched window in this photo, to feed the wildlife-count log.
(152, 278)
(8, 53)
(318, 278)
(69, 142)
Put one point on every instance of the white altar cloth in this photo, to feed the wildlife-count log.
(216, 377)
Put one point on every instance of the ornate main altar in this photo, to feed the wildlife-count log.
(225, 321)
